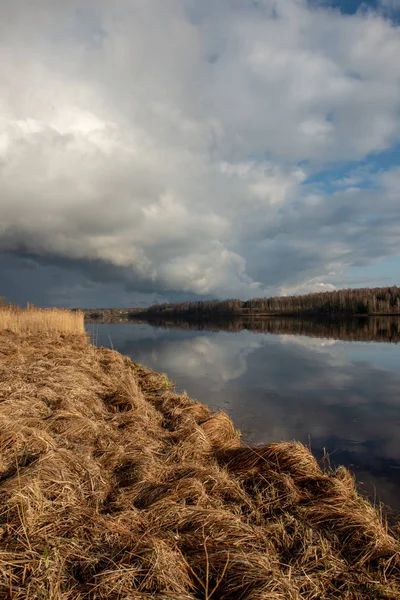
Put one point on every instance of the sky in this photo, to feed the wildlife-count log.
(159, 151)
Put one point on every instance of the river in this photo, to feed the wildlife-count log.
(336, 396)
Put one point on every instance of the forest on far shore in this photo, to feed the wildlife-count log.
(360, 301)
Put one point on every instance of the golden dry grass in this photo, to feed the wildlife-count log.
(113, 487)
(41, 320)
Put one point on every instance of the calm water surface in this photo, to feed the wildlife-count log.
(338, 395)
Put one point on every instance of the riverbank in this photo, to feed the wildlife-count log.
(113, 486)
(133, 315)
(336, 304)
(361, 329)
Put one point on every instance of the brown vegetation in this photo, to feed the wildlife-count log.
(112, 486)
(34, 320)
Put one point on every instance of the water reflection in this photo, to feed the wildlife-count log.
(332, 394)
(362, 329)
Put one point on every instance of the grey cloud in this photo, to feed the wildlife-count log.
(47, 281)
(130, 155)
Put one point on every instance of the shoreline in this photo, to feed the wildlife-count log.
(139, 314)
(122, 488)
(374, 329)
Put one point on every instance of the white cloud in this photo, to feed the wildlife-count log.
(164, 139)
(307, 288)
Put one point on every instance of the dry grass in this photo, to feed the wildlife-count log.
(112, 486)
(41, 321)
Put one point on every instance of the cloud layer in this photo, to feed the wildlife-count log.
(174, 147)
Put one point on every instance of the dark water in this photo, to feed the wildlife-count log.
(329, 393)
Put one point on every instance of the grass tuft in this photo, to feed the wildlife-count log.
(41, 321)
(112, 486)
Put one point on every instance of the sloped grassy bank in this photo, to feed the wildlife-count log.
(112, 486)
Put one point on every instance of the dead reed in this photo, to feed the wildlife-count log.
(112, 486)
(41, 320)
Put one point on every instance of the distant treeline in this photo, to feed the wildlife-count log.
(110, 315)
(362, 301)
(354, 329)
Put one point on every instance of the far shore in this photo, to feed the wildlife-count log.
(129, 314)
